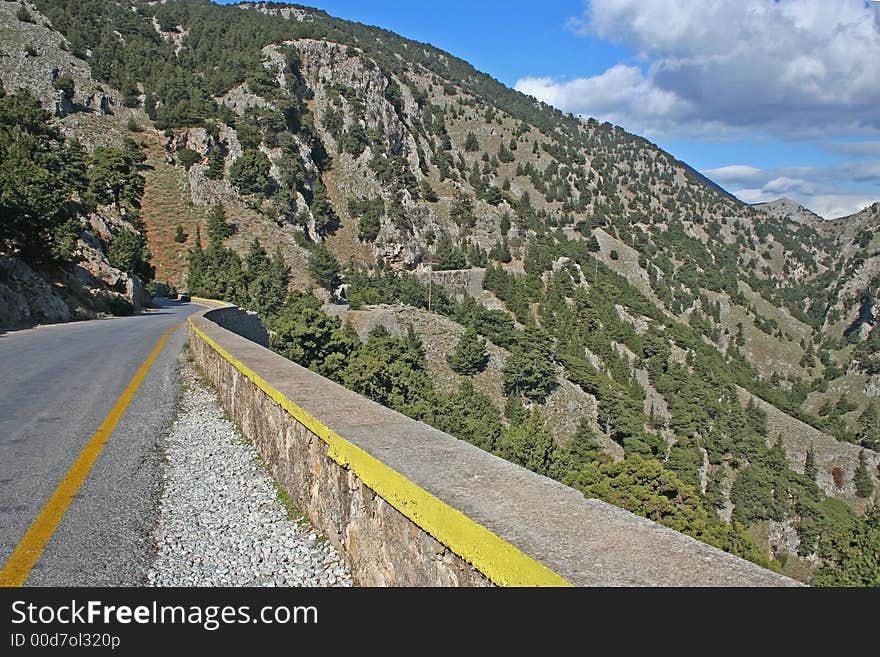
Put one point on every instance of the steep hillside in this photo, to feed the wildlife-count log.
(627, 307)
(56, 232)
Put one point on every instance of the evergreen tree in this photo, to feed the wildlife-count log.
(324, 267)
(114, 178)
(216, 164)
(515, 411)
(470, 143)
(414, 343)
(369, 216)
(217, 227)
(852, 550)
(505, 224)
(249, 173)
(392, 372)
(470, 354)
(40, 178)
(529, 370)
(326, 220)
(187, 157)
(644, 487)
(500, 252)
(179, 235)
(471, 416)
(128, 252)
(810, 465)
(305, 335)
(862, 478)
(278, 268)
(583, 447)
(531, 445)
(24, 15)
(64, 84)
(449, 255)
(257, 260)
(869, 434)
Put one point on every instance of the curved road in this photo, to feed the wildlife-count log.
(57, 384)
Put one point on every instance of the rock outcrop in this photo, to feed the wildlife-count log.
(26, 298)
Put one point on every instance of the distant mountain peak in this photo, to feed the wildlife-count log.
(786, 208)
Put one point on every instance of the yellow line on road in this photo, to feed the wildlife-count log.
(28, 551)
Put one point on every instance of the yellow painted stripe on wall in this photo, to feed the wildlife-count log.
(214, 302)
(26, 554)
(500, 561)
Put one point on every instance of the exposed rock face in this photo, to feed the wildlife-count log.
(785, 208)
(458, 283)
(25, 298)
(102, 279)
(872, 389)
(31, 56)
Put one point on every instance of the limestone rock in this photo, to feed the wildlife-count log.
(25, 297)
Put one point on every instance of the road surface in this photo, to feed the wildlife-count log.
(57, 385)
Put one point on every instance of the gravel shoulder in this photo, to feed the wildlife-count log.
(221, 521)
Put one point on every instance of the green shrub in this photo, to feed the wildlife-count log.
(24, 15)
(187, 157)
(64, 84)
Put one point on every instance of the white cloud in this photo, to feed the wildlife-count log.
(829, 206)
(834, 206)
(828, 190)
(733, 172)
(788, 67)
(620, 94)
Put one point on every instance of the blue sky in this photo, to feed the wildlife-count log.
(769, 98)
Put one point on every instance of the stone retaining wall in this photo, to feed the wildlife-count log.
(243, 323)
(458, 283)
(408, 505)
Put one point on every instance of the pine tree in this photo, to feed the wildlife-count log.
(531, 445)
(217, 227)
(179, 235)
(114, 178)
(854, 548)
(869, 434)
(470, 355)
(529, 370)
(414, 343)
(257, 261)
(470, 143)
(216, 164)
(514, 410)
(862, 478)
(449, 255)
(505, 224)
(128, 252)
(249, 173)
(740, 335)
(583, 447)
(65, 85)
(324, 267)
(810, 465)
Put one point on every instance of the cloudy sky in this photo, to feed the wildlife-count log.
(768, 98)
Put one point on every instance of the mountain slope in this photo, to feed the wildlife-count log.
(660, 307)
(785, 208)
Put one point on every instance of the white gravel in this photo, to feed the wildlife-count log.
(220, 520)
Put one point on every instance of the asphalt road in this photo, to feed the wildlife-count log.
(57, 384)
